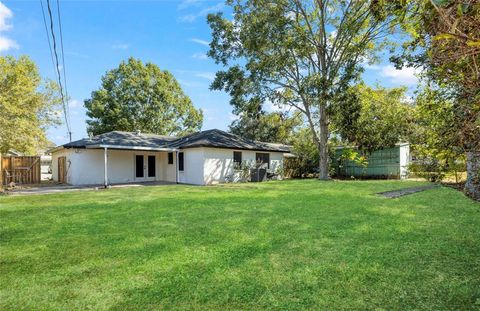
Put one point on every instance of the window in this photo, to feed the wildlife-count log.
(237, 159)
(263, 158)
(170, 158)
(180, 161)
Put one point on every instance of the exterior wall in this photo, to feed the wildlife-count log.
(193, 160)
(404, 160)
(66, 153)
(201, 165)
(86, 166)
(218, 164)
(165, 171)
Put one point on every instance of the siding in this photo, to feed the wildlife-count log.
(85, 166)
(219, 163)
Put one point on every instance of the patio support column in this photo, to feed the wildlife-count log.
(176, 167)
(105, 169)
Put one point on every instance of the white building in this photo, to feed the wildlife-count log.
(201, 158)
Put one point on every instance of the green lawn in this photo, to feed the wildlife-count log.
(276, 245)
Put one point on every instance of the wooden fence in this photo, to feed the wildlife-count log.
(20, 170)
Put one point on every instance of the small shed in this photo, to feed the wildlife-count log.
(385, 163)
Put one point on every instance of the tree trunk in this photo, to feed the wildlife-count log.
(323, 145)
(472, 186)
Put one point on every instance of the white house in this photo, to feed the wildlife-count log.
(201, 158)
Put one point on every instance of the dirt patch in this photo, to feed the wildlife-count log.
(405, 191)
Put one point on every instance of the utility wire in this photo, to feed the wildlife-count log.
(63, 63)
(58, 71)
(46, 32)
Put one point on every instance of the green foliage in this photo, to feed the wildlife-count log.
(274, 127)
(305, 162)
(351, 155)
(436, 142)
(436, 166)
(373, 119)
(141, 97)
(27, 106)
(289, 245)
(298, 53)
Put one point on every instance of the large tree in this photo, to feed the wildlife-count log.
(298, 53)
(274, 127)
(141, 97)
(28, 105)
(373, 118)
(446, 45)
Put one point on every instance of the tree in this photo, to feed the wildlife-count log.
(446, 45)
(274, 127)
(372, 119)
(436, 139)
(27, 104)
(298, 53)
(141, 97)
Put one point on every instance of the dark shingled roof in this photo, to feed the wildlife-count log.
(211, 138)
(128, 139)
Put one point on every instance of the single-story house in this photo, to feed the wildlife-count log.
(385, 163)
(201, 158)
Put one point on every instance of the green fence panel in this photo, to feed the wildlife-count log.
(381, 163)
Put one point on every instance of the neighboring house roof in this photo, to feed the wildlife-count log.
(140, 141)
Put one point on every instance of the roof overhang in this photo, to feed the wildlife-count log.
(121, 147)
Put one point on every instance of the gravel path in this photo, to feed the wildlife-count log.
(405, 191)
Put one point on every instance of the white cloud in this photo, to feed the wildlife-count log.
(190, 18)
(5, 15)
(7, 44)
(121, 46)
(73, 103)
(206, 75)
(404, 76)
(200, 56)
(200, 41)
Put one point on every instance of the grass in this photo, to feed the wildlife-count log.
(276, 245)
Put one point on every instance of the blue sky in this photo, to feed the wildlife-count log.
(98, 35)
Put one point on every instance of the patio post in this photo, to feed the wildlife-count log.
(105, 170)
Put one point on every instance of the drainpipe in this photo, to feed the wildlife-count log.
(176, 167)
(105, 170)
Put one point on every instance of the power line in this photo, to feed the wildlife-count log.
(63, 61)
(59, 76)
(46, 32)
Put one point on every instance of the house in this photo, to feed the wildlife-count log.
(385, 163)
(202, 158)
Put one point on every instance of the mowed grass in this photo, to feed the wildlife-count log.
(279, 245)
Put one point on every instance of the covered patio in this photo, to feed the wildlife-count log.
(123, 158)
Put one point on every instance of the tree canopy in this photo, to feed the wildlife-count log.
(445, 43)
(274, 127)
(141, 97)
(28, 106)
(373, 118)
(298, 53)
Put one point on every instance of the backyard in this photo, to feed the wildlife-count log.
(300, 244)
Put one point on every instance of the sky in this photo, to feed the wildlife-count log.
(98, 35)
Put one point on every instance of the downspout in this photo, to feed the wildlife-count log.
(176, 167)
(105, 170)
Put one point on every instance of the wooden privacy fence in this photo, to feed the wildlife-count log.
(20, 170)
